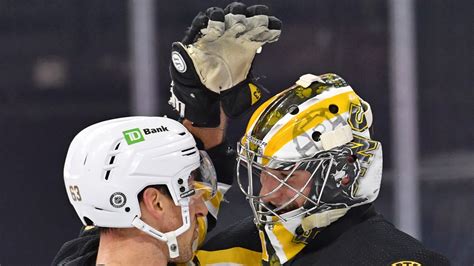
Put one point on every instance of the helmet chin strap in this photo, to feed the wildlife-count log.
(169, 238)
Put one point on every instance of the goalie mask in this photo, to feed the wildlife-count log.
(307, 153)
(108, 164)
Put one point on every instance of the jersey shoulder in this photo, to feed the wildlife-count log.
(377, 242)
(243, 234)
(238, 244)
(79, 251)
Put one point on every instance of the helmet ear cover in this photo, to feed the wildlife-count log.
(335, 182)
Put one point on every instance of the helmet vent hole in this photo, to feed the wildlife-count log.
(127, 209)
(189, 151)
(316, 136)
(293, 110)
(112, 159)
(88, 221)
(333, 108)
(85, 160)
(182, 133)
(107, 175)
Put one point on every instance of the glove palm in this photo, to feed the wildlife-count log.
(213, 62)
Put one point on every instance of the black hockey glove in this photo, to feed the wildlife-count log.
(212, 64)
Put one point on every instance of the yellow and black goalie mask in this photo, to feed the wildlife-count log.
(319, 127)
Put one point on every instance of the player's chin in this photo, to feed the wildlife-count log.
(185, 253)
(184, 257)
(185, 243)
(188, 256)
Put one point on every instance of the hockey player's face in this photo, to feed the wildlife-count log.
(197, 208)
(279, 196)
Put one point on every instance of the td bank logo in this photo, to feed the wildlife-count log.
(133, 136)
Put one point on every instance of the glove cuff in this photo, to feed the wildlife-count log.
(238, 99)
(188, 95)
(223, 158)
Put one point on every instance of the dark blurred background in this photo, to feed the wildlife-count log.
(67, 64)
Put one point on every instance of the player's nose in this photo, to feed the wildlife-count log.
(200, 207)
(269, 190)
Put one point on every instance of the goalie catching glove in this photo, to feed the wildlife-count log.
(212, 65)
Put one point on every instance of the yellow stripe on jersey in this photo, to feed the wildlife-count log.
(217, 199)
(285, 238)
(311, 118)
(234, 256)
(213, 203)
(264, 245)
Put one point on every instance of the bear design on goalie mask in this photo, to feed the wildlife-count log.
(341, 185)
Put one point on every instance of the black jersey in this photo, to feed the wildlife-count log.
(361, 237)
(79, 251)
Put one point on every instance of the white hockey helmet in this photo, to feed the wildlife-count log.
(109, 163)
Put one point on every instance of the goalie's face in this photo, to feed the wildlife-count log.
(287, 197)
(278, 193)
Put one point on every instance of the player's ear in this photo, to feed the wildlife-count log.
(154, 201)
